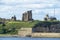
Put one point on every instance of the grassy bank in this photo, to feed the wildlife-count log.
(12, 27)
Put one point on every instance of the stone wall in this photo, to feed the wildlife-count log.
(46, 35)
(23, 32)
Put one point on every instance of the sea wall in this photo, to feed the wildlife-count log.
(23, 32)
(46, 35)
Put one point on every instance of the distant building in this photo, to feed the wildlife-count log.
(27, 16)
(13, 18)
(47, 18)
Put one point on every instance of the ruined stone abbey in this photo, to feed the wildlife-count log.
(27, 16)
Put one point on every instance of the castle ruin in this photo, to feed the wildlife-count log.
(13, 18)
(27, 16)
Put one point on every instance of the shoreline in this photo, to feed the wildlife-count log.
(24, 37)
(35, 36)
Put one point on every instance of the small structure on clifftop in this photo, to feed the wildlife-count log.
(13, 18)
(27, 16)
(47, 18)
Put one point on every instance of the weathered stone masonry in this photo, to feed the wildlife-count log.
(27, 16)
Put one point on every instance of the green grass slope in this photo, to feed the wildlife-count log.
(12, 27)
(20, 24)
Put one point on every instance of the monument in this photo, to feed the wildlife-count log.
(13, 18)
(27, 16)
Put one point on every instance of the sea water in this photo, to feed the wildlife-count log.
(27, 38)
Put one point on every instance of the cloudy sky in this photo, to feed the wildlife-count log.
(39, 8)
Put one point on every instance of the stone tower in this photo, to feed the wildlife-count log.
(27, 16)
(13, 18)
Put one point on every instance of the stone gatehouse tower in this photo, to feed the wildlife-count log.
(27, 16)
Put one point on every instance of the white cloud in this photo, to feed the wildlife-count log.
(29, 1)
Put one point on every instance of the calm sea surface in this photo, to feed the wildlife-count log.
(29, 38)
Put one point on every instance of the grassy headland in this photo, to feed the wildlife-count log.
(12, 27)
